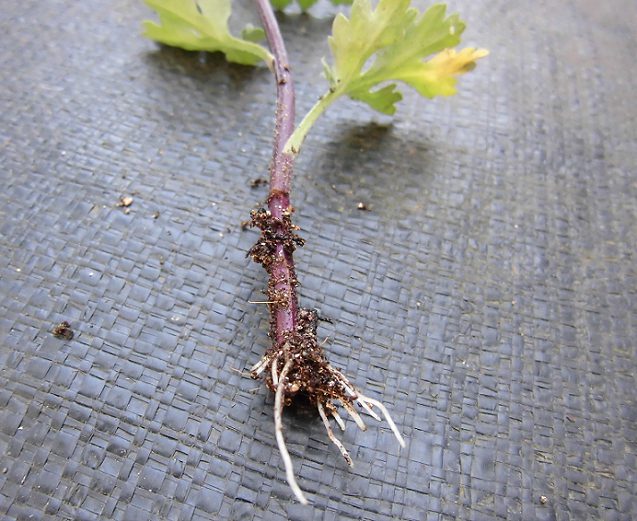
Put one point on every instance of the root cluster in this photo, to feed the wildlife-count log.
(299, 367)
(295, 364)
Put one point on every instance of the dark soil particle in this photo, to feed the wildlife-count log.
(273, 232)
(258, 182)
(63, 330)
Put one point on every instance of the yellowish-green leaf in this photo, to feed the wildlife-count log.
(390, 43)
(252, 33)
(306, 4)
(376, 47)
(438, 76)
(202, 25)
(280, 5)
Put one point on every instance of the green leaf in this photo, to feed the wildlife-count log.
(390, 43)
(252, 33)
(280, 5)
(202, 25)
(376, 47)
(306, 4)
(383, 100)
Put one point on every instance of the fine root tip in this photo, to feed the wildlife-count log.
(339, 420)
(330, 434)
(298, 494)
(259, 367)
(345, 383)
(388, 418)
(369, 410)
(355, 416)
(278, 430)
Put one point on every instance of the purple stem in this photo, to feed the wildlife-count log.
(282, 269)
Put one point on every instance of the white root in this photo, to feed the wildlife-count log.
(369, 410)
(278, 429)
(344, 382)
(349, 389)
(355, 416)
(334, 439)
(280, 383)
(260, 366)
(383, 409)
(338, 419)
(366, 403)
(275, 376)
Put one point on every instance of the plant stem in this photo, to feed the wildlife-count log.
(306, 370)
(282, 275)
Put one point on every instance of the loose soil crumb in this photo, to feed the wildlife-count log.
(125, 201)
(245, 225)
(63, 330)
(273, 232)
(258, 182)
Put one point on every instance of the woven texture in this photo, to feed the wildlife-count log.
(488, 295)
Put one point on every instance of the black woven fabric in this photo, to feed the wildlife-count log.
(487, 296)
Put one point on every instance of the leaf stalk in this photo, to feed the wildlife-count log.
(293, 144)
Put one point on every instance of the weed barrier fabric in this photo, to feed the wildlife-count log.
(486, 293)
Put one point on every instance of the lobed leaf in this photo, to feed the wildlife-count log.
(280, 5)
(202, 25)
(390, 43)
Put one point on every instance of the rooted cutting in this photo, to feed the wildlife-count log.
(372, 50)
